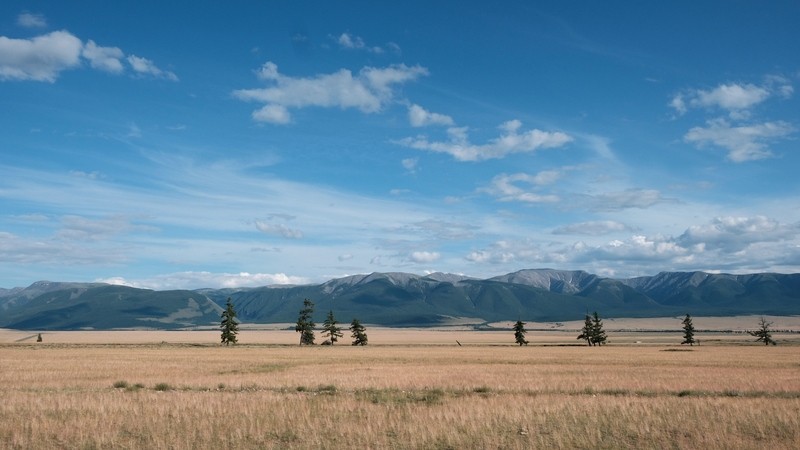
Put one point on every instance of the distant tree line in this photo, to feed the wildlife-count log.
(592, 331)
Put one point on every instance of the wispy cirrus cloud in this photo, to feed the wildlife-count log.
(593, 228)
(512, 140)
(369, 91)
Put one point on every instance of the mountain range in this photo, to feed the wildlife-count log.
(404, 299)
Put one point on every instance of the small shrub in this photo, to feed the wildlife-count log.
(121, 384)
(301, 389)
(162, 387)
(482, 390)
(221, 387)
(326, 389)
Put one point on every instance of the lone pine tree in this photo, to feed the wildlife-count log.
(359, 333)
(598, 334)
(305, 324)
(688, 331)
(330, 330)
(763, 333)
(519, 333)
(586, 331)
(229, 326)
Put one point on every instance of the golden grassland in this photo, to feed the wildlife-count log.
(429, 393)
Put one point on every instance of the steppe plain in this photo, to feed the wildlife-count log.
(450, 387)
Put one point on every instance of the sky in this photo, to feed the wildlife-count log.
(173, 145)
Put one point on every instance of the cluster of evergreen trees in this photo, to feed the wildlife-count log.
(229, 326)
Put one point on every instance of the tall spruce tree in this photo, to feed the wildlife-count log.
(330, 330)
(519, 333)
(358, 332)
(688, 331)
(598, 334)
(305, 324)
(229, 325)
(763, 333)
(586, 331)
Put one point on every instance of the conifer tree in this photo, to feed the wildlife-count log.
(598, 334)
(688, 331)
(586, 331)
(519, 333)
(359, 333)
(305, 324)
(763, 333)
(229, 325)
(330, 330)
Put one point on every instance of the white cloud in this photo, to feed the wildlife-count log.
(145, 66)
(369, 91)
(41, 58)
(629, 198)
(200, 280)
(736, 233)
(424, 257)
(410, 164)
(351, 42)
(509, 142)
(507, 187)
(731, 96)
(276, 114)
(44, 57)
(30, 20)
(744, 143)
(736, 98)
(420, 117)
(279, 229)
(103, 58)
(592, 228)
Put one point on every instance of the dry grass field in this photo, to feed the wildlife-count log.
(88, 390)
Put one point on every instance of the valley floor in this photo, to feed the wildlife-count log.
(394, 396)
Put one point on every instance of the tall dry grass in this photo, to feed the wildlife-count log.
(186, 396)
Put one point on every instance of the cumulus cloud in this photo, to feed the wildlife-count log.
(424, 257)
(144, 66)
(30, 20)
(592, 228)
(368, 91)
(757, 242)
(279, 229)
(509, 142)
(41, 58)
(352, 42)
(420, 117)
(732, 97)
(103, 58)
(733, 234)
(745, 139)
(744, 142)
(521, 187)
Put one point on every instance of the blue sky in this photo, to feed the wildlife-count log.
(210, 144)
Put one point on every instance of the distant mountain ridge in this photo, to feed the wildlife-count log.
(405, 299)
